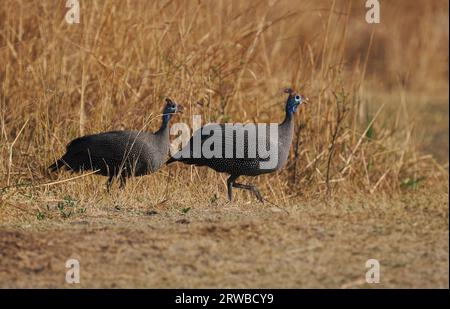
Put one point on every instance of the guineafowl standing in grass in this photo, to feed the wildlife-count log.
(120, 154)
(245, 157)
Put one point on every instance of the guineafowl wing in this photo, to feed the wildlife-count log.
(109, 152)
(238, 153)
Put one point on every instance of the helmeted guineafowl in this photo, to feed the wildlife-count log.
(120, 154)
(245, 157)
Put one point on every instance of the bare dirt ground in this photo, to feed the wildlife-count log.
(238, 246)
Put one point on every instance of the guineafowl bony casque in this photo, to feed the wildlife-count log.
(238, 165)
(120, 154)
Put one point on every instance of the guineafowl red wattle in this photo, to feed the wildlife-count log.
(243, 164)
(120, 154)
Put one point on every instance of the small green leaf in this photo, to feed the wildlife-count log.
(226, 118)
(370, 134)
(411, 183)
(40, 215)
(185, 210)
(213, 199)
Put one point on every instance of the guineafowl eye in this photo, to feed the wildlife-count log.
(171, 107)
(298, 99)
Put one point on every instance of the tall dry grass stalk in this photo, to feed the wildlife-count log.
(227, 61)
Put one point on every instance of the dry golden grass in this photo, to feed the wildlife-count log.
(229, 61)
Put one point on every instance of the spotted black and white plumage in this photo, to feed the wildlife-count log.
(119, 154)
(249, 166)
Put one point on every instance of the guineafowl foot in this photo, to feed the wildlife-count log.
(231, 183)
(252, 188)
(109, 184)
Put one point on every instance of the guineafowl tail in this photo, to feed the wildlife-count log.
(56, 166)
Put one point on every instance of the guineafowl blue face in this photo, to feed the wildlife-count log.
(171, 107)
(293, 101)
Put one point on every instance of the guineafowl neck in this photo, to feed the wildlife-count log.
(164, 129)
(287, 126)
(288, 119)
(285, 136)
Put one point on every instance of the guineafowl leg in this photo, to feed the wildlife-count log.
(252, 188)
(230, 182)
(123, 182)
(109, 183)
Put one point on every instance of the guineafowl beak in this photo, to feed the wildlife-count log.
(180, 108)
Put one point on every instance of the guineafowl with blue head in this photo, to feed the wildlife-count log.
(243, 150)
(120, 154)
